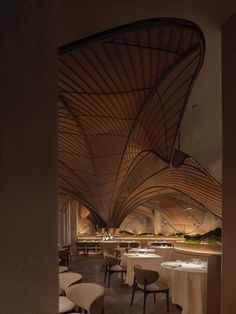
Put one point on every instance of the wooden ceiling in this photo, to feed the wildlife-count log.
(122, 96)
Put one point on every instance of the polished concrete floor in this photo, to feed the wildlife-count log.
(117, 298)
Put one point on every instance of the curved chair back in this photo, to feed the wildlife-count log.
(66, 247)
(111, 260)
(63, 256)
(89, 296)
(92, 244)
(145, 276)
(123, 244)
(108, 247)
(134, 244)
(81, 244)
(68, 279)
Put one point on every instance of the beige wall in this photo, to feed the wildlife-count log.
(229, 166)
(28, 169)
(209, 223)
(68, 213)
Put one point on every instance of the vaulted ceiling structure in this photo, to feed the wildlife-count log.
(122, 97)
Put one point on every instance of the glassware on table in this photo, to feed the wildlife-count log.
(178, 262)
(204, 264)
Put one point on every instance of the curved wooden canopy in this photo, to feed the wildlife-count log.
(122, 97)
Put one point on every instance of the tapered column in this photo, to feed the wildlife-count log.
(157, 222)
(74, 207)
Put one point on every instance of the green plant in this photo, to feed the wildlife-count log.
(126, 232)
(211, 237)
(147, 233)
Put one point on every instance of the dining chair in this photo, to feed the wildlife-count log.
(134, 245)
(124, 245)
(68, 252)
(91, 246)
(62, 269)
(147, 281)
(65, 305)
(99, 249)
(112, 265)
(118, 253)
(81, 246)
(63, 257)
(88, 296)
(108, 247)
(68, 279)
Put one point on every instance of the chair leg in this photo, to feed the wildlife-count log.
(133, 292)
(167, 300)
(144, 303)
(105, 277)
(109, 279)
(155, 300)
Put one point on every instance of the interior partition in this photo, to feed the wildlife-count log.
(229, 167)
(28, 167)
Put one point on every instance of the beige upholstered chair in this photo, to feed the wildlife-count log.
(89, 296)
(68, 279)
(65, 305)
(147, 281)
(62, 269)
(113, 266)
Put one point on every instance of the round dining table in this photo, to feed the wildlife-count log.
(187, 282)
(145, 260)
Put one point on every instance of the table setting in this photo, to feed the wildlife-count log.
(146, 260)
(187, 281)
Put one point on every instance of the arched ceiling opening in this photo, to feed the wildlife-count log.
(123, 94)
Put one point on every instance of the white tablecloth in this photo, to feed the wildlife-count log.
(137, 250)
(147, 261)
(188, 286)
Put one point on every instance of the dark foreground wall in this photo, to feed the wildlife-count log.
(229, 166)
(28, 215)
